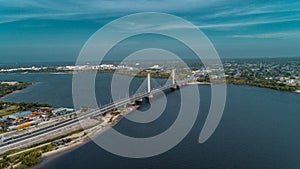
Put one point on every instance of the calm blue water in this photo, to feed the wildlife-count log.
(259, 129)
(56, 89)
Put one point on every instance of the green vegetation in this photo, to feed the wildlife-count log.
(7, 89)
(40, 143)
(272, 84)
(26, 159)
(7, 108)
(153, 73)
(203, 79)
(32, 157)
(161, 74)
(10, 108)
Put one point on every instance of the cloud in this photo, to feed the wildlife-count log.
(273, 8)
(214, 14)
(96, 6)
(248, 23)
(251, 14)
(158, 25)
(281, 35)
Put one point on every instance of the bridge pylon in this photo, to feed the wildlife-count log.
(149, 86)
(175, 86)
(173, 77)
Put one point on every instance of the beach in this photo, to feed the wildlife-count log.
(199, 83)
(87, 135)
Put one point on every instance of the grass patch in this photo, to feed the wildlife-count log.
(32, 157)
(27, 159)
(40, 143)
(7, 89)
(9, 110)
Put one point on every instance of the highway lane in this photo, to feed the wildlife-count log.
(29, 135)
(55, 126)
(67, 122)
(35, 131)
(51, 127)
(101, 110)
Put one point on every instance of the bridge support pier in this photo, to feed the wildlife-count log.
(138, 101)
(175, 87)
(147, 98)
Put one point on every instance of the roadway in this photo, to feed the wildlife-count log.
(70, 122)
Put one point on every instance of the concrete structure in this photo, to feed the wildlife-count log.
(19, 140)
(62, 111)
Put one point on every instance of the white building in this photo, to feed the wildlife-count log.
(291, 81)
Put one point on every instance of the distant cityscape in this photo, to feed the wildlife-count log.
(277, 71)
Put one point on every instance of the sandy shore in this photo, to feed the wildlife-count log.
(198, 83)
(61, 73)
(89, 133)
(12, 93)
(92, 133)
(63, 149)
(17, 91)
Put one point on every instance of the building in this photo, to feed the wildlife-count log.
(291, 81)
(62, 111)
(156, 67)
(18, 115)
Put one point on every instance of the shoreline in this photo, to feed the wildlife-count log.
(209, 83)
(9, 94)
(199, 83)
(17, 91)
(99, 129)
(190, 83)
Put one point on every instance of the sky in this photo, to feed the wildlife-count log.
(56, 30)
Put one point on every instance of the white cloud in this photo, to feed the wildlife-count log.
(247, 23)
(280, 35)
(272, 8)
(232, 15)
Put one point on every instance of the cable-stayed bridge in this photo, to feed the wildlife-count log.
(147, 92)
